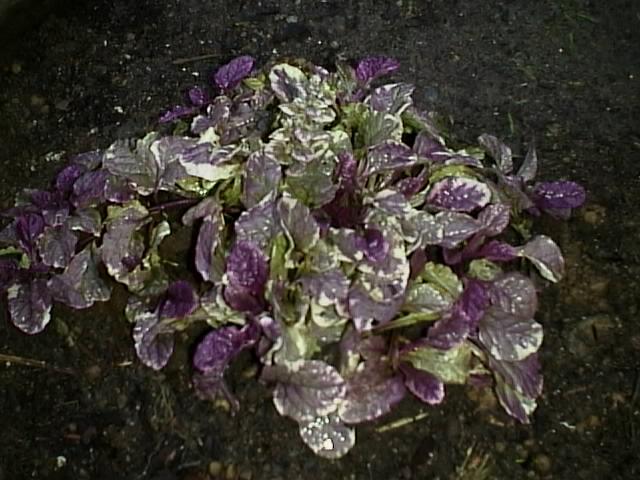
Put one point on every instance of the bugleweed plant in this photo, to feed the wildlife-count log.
(336, 235)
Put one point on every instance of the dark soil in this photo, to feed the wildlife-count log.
(566, 72)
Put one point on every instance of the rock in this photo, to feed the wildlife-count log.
(542, 463)
(215, 469)
(591, 332)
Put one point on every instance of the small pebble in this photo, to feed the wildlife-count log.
(542, 463)
(215, 469)
(93, 373)
(37, 100)
(245, 474)
(231, 472)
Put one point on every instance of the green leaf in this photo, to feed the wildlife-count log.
(298, 223)
(484, 269)
(217, 312)
(150, 278)
(451, 171)
(443, 277)
(427, 298)
(312, 183)
(379, 127)
(450, 366)
(278, 260)
(407, 321)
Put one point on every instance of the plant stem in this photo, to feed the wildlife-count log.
(173, 204)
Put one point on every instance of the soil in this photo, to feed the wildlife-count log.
(566, 72)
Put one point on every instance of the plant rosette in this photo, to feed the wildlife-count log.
(337, 236)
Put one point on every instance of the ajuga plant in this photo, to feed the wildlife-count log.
(337, 236)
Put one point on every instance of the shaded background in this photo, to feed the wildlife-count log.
(564, 72)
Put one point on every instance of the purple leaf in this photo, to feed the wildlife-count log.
(29, 305)
(262, 177)
(208, 207)
(298, 222)
(258, 224)
(230, 75)
(208, 237)
(241, 299)
(28, 228)
(370, 68)
(122, 245)
(513, 189)
(216, 115)
(86, 220)
(80, 285)
(144, 167)
(306, 389)
(561, 194)
(393, 98)
(153, 341)
(43, 198)
(514, 293)
(247, 267)
(288, 82)
(165, 153)
(344, 211)
(388, 156)
(68, 176)
(247, 272)
(89, 160)
(545, 255)
(365, 310)
(409, 186)
(500, 152)
(371, 392)
(8, 272)
(373, 245)
(197, 96)
(496, 251)
(327, 436)
(517, 405)
(56, 246)
(456, 228)
(328, 288)
(118, 190)
(177, 112)
(210, 162)
(392, 203)
(178, 301)
(51, 205)
(417, 263)
(454, 327)
(426, 146)
(494, 219)
(347, 171)
(89, 188)
(218, 347)
(524, 375)
(459, 194)
(422, 384)
(509, 337)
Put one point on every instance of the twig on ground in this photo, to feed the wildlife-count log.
(30, 362)
(183, 60)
